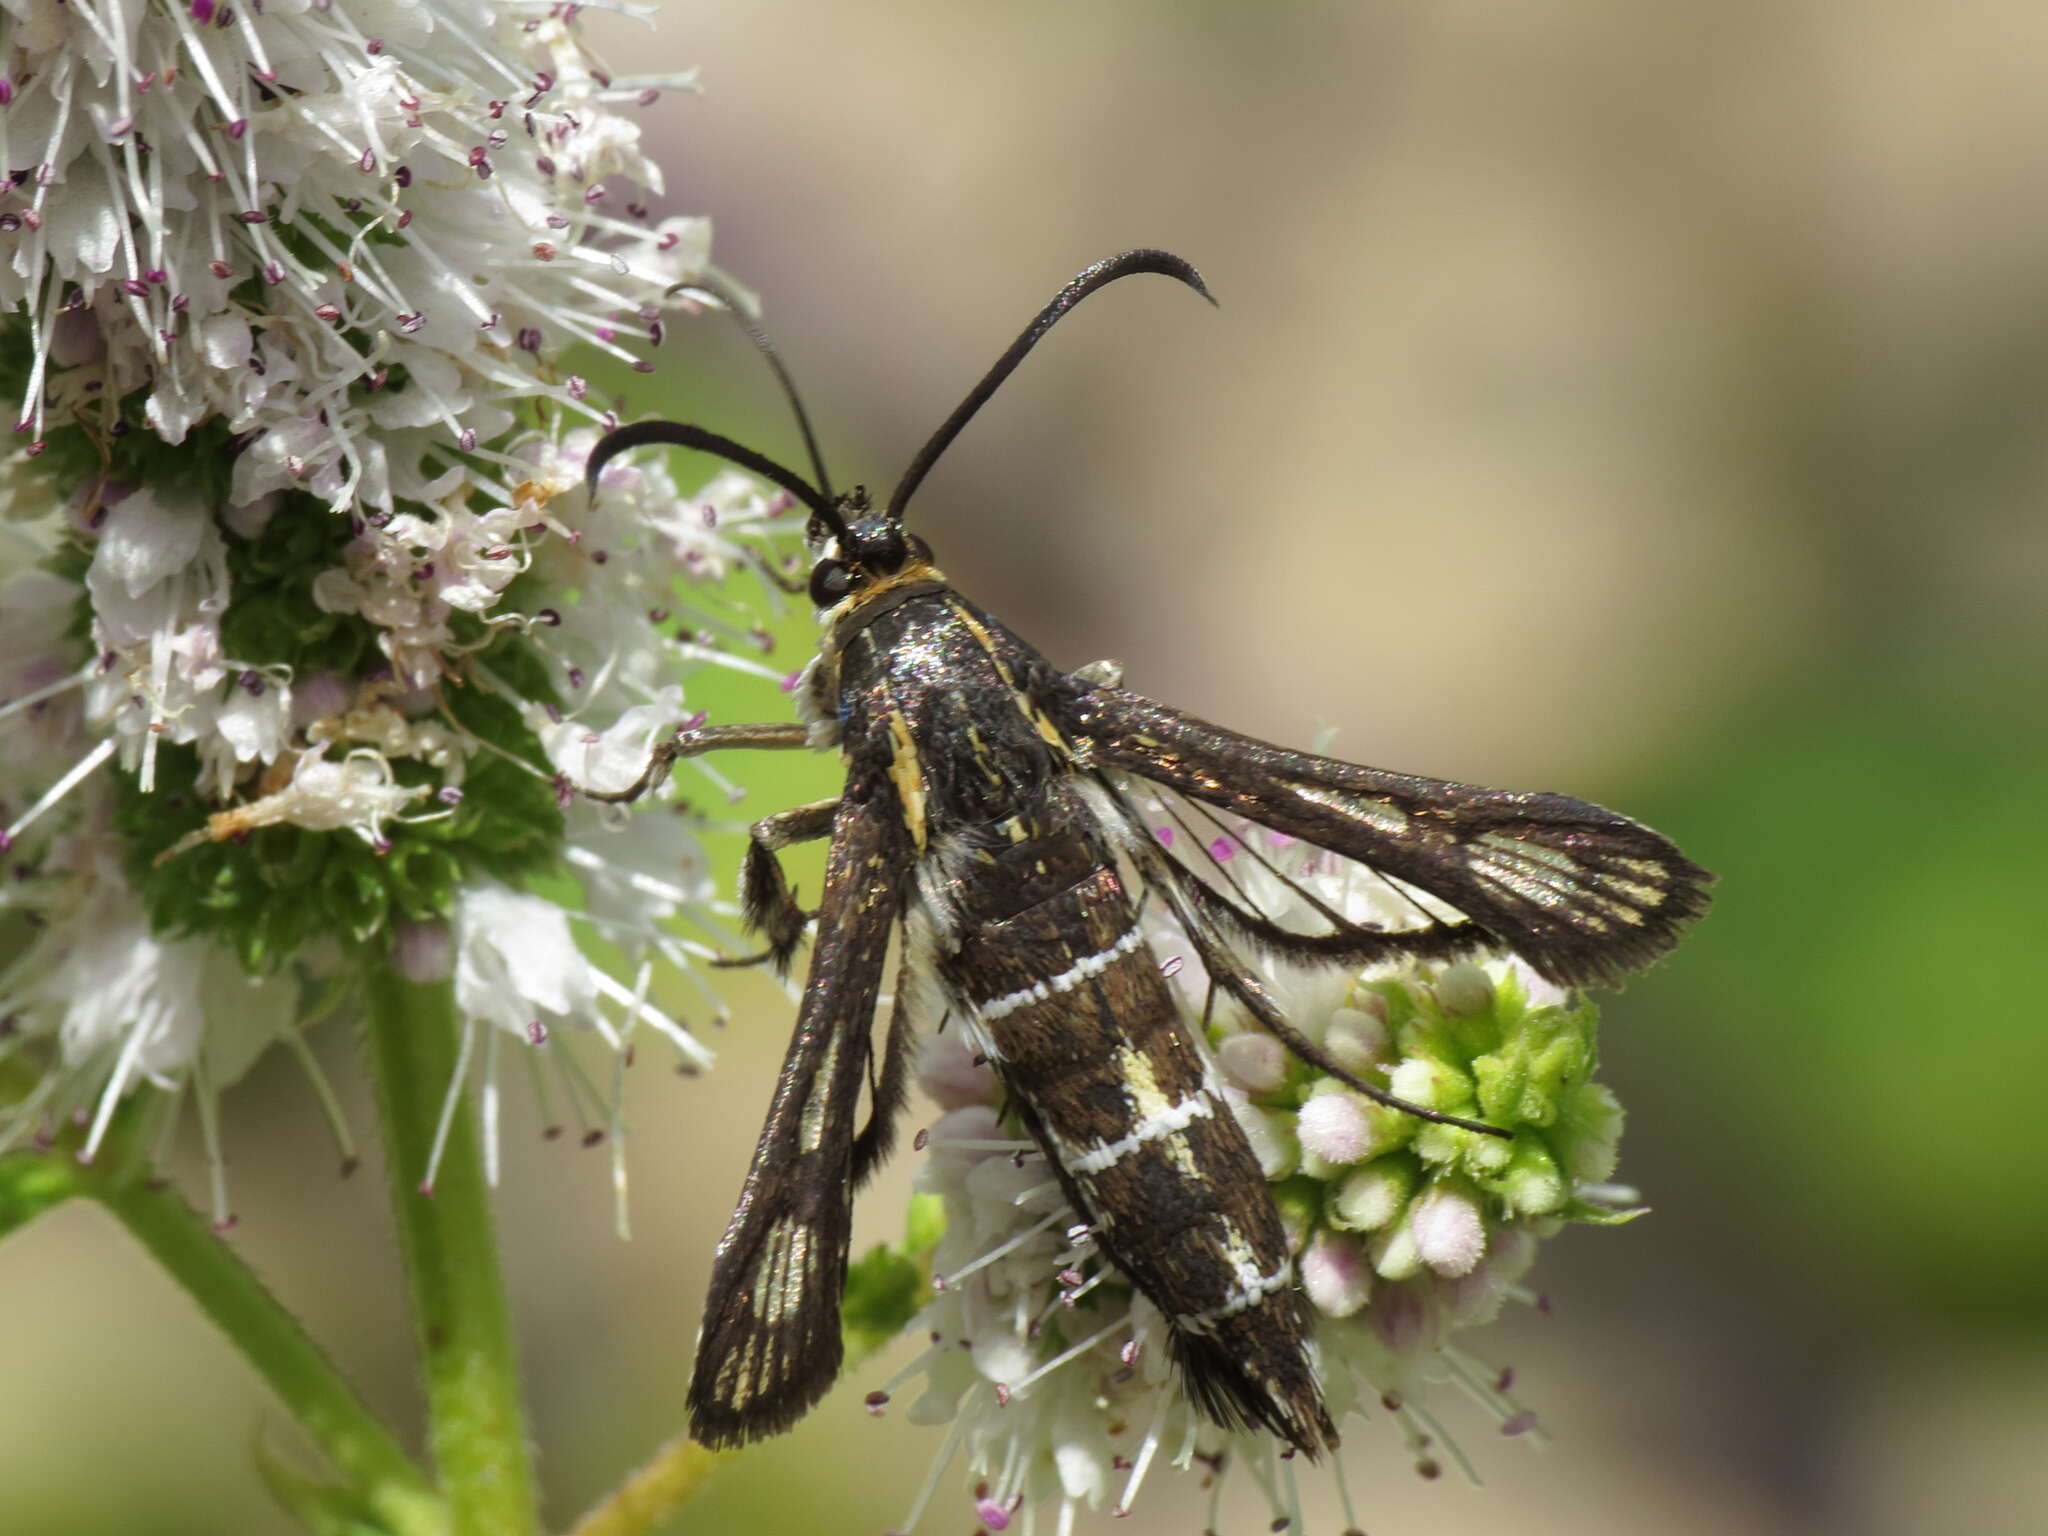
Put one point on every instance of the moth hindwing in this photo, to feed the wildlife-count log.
(994, 824)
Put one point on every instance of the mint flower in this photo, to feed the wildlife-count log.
(1052, 1374)
(311, 631)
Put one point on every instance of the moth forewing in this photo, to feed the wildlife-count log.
(770, 1342)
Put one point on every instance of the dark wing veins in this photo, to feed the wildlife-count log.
(1581, 894)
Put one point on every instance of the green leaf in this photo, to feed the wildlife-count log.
(1590, 1215)
(884, 1290)
(322, 1507)
(925, 1223)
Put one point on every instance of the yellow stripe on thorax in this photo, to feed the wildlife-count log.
(1025, 705)
(907, 773)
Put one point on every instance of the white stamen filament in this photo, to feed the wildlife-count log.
(678, 1036)
(939, 1464)
(1072, 1352)
(117, 1081)
(61, 788)
(209, 1135)
(449, 1100)
(924, 1358)
(48, 691)
(1147, 1449)
(646, 884)
(621, 1217)
(1292, 1484)
(487, 1107)
(1343, 1494)
(1002, 1250)
(1429, 1425)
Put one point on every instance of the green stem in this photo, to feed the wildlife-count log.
(270, 1339)
(32, 1182)
(476, 1424)
(640, 1503)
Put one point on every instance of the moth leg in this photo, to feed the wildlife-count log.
(771, 906)
(887, 1090)
(706, 738)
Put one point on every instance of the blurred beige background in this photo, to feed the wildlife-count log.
(1644, 401)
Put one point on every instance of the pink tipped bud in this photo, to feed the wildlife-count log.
(1449, 1232)
(1255, 1062)
(1336, 1275)
(1337, 1127)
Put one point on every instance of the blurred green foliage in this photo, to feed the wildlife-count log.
(1853, 1039)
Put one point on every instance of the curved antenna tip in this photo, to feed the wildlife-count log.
(681, 435)
(1144, 258)
(1102, 273)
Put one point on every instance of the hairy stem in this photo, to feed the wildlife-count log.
(271, 1340)
(476, 1423)
(653, 1492)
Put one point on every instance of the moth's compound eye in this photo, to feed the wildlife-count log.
(830, 581)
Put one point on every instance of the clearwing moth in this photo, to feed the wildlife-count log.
(989, 829)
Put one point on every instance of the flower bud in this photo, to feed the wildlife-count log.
(1257, 1063)
(1358, 1041)
(1464, 989)
(1335, 1274)
(1448, 1228)
(1374, 1195)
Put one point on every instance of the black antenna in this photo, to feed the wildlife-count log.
(1104, 272)
(759, 338)
(619, 439)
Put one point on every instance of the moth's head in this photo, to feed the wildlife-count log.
(868, 550)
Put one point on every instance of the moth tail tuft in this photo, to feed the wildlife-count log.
(1239, 1392)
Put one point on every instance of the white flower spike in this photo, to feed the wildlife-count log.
(317, 625)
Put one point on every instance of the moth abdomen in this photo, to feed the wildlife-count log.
(1064, 995)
